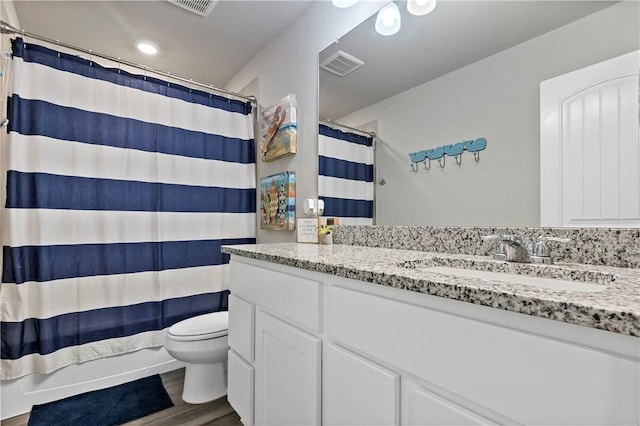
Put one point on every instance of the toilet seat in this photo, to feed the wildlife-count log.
(201, 327)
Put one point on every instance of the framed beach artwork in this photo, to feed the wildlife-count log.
(278, 129)
(278, 201)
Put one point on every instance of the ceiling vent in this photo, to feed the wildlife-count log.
(199, 7)
(341, 63)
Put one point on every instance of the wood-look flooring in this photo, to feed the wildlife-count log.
(214, 413)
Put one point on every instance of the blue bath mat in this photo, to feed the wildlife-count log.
(105, 407)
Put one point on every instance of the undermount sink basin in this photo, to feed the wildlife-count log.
(550, 283)
(554, 277)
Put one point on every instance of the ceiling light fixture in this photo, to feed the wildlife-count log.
(343, 3)
(388, 20)
(420, 7)
(147, 47)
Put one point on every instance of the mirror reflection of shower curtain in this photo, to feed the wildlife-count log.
(346, 175)
(120, 191)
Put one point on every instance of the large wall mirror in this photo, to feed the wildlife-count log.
(467, 70)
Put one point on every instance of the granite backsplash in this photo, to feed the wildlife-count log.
(594, 246)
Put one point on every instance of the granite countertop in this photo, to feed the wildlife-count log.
(615, 309)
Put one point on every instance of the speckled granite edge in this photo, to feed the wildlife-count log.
(617, 309)
(593, 246)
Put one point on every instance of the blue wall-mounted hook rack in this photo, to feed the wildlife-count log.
(425, 156)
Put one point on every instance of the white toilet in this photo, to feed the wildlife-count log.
(201, 342)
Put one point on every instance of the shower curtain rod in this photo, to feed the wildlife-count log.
(344, 126)
(8, 29)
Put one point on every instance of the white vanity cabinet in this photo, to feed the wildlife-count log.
(330, 350)
(275, 353)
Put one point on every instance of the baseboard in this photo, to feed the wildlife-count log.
(18, 396)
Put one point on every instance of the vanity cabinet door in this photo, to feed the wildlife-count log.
(287, 374)
(424, 408)
(356, 391)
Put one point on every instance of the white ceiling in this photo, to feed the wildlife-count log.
(455, 34)
(206, 49)
(213, 49)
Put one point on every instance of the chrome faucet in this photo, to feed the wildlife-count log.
(514, 249)
(510, 248)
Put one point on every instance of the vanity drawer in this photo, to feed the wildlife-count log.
(240, 387)
(292, 297)
(241, 327)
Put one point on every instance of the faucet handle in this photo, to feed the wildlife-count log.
(499, 253)
(541, 253)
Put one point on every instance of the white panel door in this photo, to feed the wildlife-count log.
(589, 146)
(287, 374)
(356, 391)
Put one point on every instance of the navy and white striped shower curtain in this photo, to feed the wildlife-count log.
(120, 191)
(345, 175)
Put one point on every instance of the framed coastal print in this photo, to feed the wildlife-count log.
(278, 129)
(278, 201)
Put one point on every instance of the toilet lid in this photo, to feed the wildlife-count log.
(207, 326)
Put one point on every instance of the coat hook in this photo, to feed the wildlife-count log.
(476, 156)
(425, 162)
(414, 167)
(441, 162)
(458, 159)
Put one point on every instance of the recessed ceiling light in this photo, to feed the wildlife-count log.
(147, 47)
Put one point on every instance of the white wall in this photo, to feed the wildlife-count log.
(496, 98)
(289, 64)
